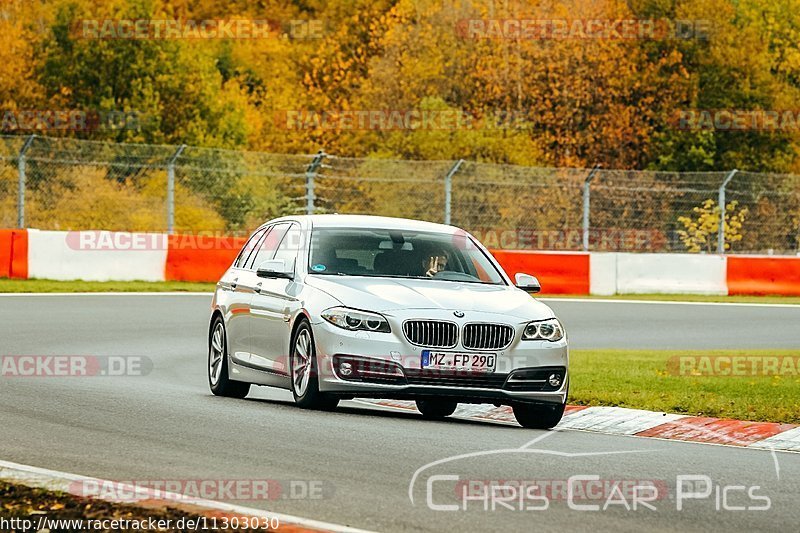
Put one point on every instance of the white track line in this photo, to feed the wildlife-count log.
(61, 481)
(616, 420)
(788, 440)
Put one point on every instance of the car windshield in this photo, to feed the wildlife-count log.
(400, 254)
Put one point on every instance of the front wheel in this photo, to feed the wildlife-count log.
(303, 370)
(218, 380)
(538, 416)
(436, 410)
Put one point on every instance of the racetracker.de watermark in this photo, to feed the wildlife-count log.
(374, 119)
(583, 29)
(734, 365)
(124, 241)
(61, 120)
(206, 29)
(600, 239)
(402, 119)
(502, 492)
(737, 119)
(495, 239)
(74, 366)
(131, 491)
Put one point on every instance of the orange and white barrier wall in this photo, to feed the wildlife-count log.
(13, 253)
(763, 275)
(557, 272)
(96, 255)
(198, 258)
(642, 273)
(122, 256)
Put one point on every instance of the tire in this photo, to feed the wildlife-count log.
(218, 380)
(436, 409)
(303, 372)
(538, 416)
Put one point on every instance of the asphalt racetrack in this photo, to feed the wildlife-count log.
(365, 463)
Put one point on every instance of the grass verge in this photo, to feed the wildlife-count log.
(21, 503)
(652, 380)
(46, 285)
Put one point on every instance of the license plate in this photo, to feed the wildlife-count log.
(467, 362)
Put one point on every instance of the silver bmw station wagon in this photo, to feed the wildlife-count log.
(334, 307)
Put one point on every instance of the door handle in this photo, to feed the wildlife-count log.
(257, 288)
(234, 284)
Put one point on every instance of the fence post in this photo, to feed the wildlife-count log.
(586, 199)
(311, 173)
(448, 190)
(21, 184)
(721, 230)
(171, 189)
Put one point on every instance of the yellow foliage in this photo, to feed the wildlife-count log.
(8, 195)
(18, 85)
(700, 233)
(84, 198)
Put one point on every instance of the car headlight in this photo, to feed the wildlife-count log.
(356, 320)
(543, 330)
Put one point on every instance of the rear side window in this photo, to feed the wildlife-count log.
(267, 246)
(248, 247)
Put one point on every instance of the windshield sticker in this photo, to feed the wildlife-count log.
(319, 268)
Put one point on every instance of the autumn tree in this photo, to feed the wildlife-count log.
(700, 231)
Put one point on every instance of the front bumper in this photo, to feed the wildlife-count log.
(390, 367)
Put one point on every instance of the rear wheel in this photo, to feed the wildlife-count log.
(303, 370)
(218, 380)
(538, 416)
(436, 409)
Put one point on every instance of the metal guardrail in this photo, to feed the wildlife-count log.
(62, 183)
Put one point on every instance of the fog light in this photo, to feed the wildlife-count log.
(554, 380)
(345, 369)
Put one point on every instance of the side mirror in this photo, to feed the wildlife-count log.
(527, 283)
(276, 268)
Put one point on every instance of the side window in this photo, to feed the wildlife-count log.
(248, 247)
(290, 244)
(267, 247)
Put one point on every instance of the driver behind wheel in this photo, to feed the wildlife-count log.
(435, 263)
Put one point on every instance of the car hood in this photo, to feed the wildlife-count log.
(388, 294)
